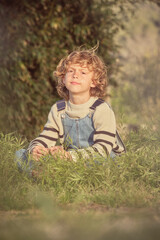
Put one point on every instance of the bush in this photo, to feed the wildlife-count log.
(35, 35)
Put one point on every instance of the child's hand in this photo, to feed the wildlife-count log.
(39, 151)
(55, 150)
(58, 150)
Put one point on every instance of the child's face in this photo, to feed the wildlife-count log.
(79, 80)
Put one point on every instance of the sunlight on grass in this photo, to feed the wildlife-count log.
(108, 199)
(130, 180)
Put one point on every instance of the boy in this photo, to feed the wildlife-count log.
(82, 122)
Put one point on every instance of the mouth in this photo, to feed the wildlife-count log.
(75, 83)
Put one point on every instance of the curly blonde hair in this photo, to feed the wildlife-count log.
(84, 58)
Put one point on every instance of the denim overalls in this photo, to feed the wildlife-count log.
(78, 133)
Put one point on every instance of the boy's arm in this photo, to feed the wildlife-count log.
(49, 136)
(105, 129)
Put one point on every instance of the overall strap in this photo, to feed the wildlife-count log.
(97, 103)
(61, 105)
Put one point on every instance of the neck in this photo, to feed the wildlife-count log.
(76, 99)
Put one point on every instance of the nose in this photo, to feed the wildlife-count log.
(75, 75)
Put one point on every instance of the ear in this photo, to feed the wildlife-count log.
(63, 80)
(93, 85)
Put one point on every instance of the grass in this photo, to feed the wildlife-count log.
(111, 200)
(131, 180)
(66, 225)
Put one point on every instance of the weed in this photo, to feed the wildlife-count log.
(129, 180)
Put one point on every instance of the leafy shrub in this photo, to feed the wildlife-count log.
(35, 35)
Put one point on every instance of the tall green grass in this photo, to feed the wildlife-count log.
(14, 186)
(131, 180)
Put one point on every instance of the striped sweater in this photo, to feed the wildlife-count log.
(105, 137)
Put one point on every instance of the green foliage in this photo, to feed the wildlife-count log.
(143, 87)
(130, 180)
(137, 97)
(35, 35)
(14, 186)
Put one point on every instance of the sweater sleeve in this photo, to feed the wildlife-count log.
(50, 134)
(105, 129)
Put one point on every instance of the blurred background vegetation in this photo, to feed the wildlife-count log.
(35, 35)
(138, 94)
